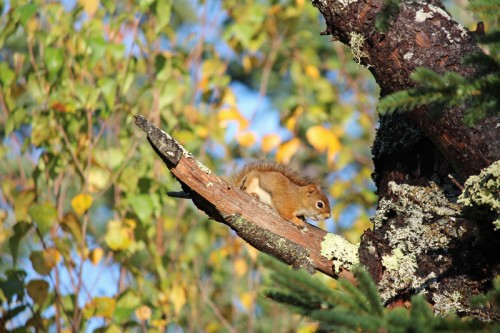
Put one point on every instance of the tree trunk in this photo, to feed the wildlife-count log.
(422, 242)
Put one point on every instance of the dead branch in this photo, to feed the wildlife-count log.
(252, 220)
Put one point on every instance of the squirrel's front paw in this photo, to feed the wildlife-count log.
(298, 222)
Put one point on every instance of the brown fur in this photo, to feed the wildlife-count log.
(291, 174)
(293, 196)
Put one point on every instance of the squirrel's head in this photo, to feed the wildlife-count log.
(316, 205)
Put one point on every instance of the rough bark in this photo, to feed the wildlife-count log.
(422, 34)
(422, 241)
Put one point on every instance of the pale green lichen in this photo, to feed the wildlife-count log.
(448, 303)
(401, 269)
(203, 167)
(356, 44)
(429, 225)
(345, 3)
(343, 253)
(483, 190)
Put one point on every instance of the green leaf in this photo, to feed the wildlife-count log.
(38, 290)
(125, 306)
(45, 215)
(70, 223)
(26, 12)
(7, 76)
(13, 285)
(108, 90)
(163, 11)
(39, 263)
(142, 206)
(20, 230)
(54, 58)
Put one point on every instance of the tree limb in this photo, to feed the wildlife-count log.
(312, 249)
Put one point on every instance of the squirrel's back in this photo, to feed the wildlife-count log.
(269, 166)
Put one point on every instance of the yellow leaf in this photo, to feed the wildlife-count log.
(300, 3)
(323, 139)
(229, 98)
(90, 6)
(292, 121)
(96, 255)
(252, 252)
(143, 313)
(51, 257)
(117, 236)
(240, 267)
(178, 298)
(247, 63)
(246, 139)
(232, 114)
(318, 137)
(309, 328)
(312, 72)
(100, 307)
(98, 179)
(270, 141)
(247, 299)
(287, 150)
(81, 203)
(202, 84)
(213, 327)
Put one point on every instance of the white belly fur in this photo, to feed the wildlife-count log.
(252, 186)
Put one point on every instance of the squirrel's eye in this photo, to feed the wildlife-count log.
(320, 204)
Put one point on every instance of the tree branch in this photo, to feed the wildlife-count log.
(311, 249)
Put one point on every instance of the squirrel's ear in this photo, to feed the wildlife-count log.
(312, 188)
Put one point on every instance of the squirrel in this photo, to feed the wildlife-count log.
(293, 196)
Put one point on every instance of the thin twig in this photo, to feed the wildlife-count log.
(72, 153)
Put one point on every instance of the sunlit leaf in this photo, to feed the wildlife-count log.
(287, 150)
(100, 307)
(178, 297)
(126, 305)
(45, 215)
(54, 58)
(89, 6)
(26, 12)
(44, 261)
(81, 203)
(118, 237)
(98, 179)
(312, 71)
(96, 255)
(240, 267)
(246, 139)
(270, 141)
(247, 299)
(143, 312)
(323, 139)
(232, 114)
